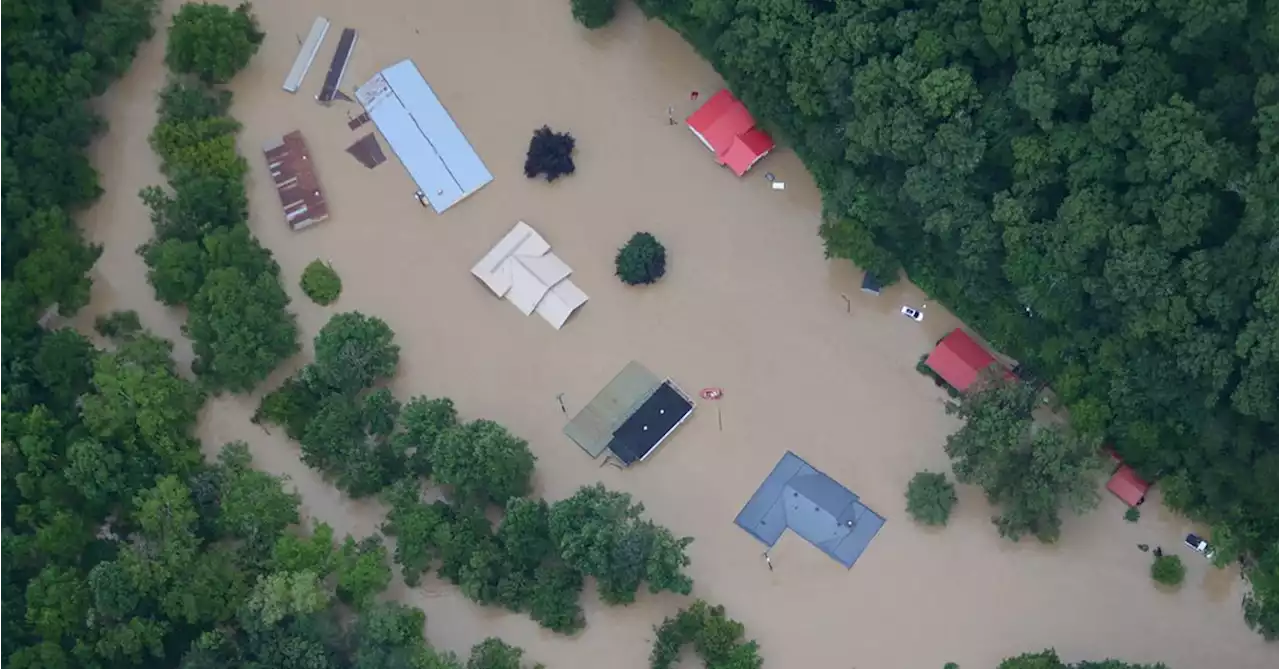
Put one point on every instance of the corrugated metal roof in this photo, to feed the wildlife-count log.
(958, 359)
(422, 134)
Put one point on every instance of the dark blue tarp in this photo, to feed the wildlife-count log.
(811, 504)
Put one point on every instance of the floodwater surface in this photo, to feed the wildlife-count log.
(807, 362)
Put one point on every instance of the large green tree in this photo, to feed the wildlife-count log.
(1031, 469)
(213, 42)
(717, 638)
(353, 351)
(483, 462)
(423, 423)
(600, 533)
(1262, 603)
(239, 329)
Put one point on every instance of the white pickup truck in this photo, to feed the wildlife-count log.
(1199, 545)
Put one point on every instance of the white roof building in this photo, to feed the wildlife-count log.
(522, 269)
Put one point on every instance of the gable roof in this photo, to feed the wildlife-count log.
(798, 497)
(958, 359)
(1126, 485)
(726, 128)
(522, 268)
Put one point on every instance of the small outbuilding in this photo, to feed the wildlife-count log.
(728, 130)
(959, 360)
(1128, 486)
(870, 284)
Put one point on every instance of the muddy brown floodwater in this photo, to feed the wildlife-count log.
(749, 305)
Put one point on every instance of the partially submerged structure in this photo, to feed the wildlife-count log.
(423, 135)
(870, 284)
(728, 130)
(1125, 482)
(1128, 486)
(798, 497)
(960, 361)
(368, 151)
(631, 416)
(522, 269)
(295, 179)
(306, 54)
(338, 66)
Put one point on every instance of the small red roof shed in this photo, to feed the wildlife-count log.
(958, 359)
(1126, 485)
(726, 128)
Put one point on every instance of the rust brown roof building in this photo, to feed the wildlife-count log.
(291, 170)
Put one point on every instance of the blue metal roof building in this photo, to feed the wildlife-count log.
(423, 135)
(811, 504)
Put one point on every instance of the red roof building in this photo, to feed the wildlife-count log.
(1126, 485)
(726, 128)
(958, 359)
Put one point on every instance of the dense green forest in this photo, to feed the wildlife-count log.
(1092, 186)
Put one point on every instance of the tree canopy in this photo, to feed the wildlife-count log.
(550, 154)
(642, 260)
(1168, 570)
(930, 497)
(55, 60)
(212, 42)
(482, 461)
(601, 533)
(321, 282)
(353, 351)
(1091, 186)
(717, 638)
(594, 13)
(1030, 468)
(203, 254)
(1048, 659)
(123, 547)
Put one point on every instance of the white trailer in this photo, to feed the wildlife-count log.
(306, 54)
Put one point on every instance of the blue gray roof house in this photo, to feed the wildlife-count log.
(798, 497)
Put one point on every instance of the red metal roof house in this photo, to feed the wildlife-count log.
(1126, 485)
(959, 360)
(726, 128)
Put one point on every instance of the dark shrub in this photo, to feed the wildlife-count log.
(550, 153)
(1168, 570)
(642, 260)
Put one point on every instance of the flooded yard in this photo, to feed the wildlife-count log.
(807, 361)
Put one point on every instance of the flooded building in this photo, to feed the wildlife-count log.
(295, 180)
